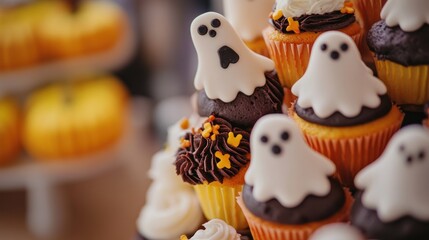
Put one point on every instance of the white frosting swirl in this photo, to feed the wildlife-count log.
(216, 229)
(175, 131)
(410, 15)
(296, 8)
(168, 215)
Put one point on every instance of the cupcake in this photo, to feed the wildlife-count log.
(249, 18)
(337, 231)
(75, 119)
(400, 46)
(82, 30)
(290, 190)
(393, 202)
(342, 109)
(9, 131)
(214, 159)
(295, 26)
(232, 81)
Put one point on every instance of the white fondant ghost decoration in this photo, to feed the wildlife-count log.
(248, 17)
(396, 184)
(336, 79)
(337, 231)
(410, 15)
(226, 66)
(283, 166)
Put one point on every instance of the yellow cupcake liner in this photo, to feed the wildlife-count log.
(263, 230)
(291, 58)
(219, 201)
(258, 46)
(405, 85)
(351, 155)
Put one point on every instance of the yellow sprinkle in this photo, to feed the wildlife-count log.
(277, 14)
(213, 137)
(348, 8)
(232, 140)
(207, 130)
(184, 124)
(183, 237)
(293, 25)
(224, 160)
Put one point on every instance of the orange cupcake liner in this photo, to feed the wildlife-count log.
(289, 98)
(291, 58)
(405, 85)
(368, 11)
(351, 155)
(219, 201)
(263, 230)
(258, 46)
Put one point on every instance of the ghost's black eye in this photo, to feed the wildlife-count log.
(284, 136)
(422, 155)
(212, 33)
(324, 47)
(216, 23)
(264, 139)
(344, 47)
(202, 30)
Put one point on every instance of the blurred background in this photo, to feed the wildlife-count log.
(87, 91)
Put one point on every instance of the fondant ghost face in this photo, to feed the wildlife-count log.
(334, 49)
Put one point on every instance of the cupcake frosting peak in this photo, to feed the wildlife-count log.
(395, 185)
(296, 8)
(283, 166)
(410, 15)
(226, 66)
(248, 18)
(216, 229)
(336, 79)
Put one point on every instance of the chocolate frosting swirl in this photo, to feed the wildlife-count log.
(245, 110)
(197, 163)
(370, 224)
(316, 22)
(312, 208)
(405, 48)
(339, 120)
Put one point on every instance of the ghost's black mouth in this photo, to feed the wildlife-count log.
(227, 56)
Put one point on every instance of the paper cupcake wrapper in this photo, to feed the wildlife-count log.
(289, 98)
(368, 11)
(258, 46)
(220, 202)
(291, 59)
(353, 154)
(263, 230)
(405, 85)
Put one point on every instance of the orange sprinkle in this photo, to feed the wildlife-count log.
(224, 160)
(185, 143)
(232, 140)
(293, 25)
(184, 237)
(348, 8)
(211, 118)
(184, 124)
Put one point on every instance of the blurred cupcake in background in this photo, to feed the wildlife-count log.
(10, 130)
(249, 18)
(295, 26)
(342, 109)
(290, 190)
(216, 229)
(399, 43)
(393, 201)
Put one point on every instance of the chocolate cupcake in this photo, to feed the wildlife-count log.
(233, 82)
(394, 200)
(289, 190)
(399, 43)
